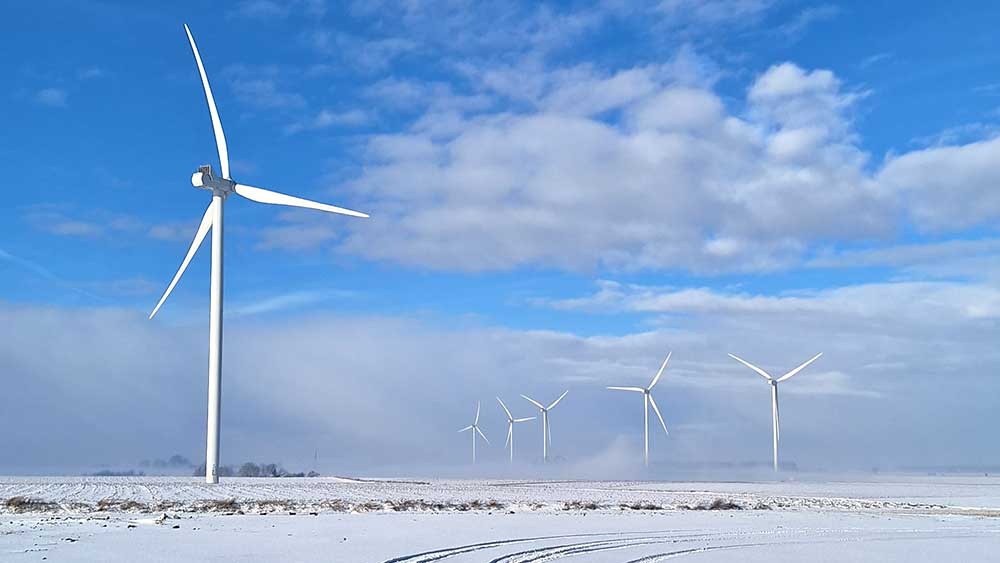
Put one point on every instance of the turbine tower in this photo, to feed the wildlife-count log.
(221, 187)
(774, 394)
(546, 429)
(475, 429)
(647, 399)
(510, 427)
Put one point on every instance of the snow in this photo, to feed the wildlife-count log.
(170, 519)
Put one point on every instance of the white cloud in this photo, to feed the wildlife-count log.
(912, 304)
(796, 27)
(263, 87)
(52, 97)
(328, 118)
(947, 187)
(284, 302)
(680, 182)
(90, 73)
(65, 220)
(277, 9)
(264, 93)
(715, 12)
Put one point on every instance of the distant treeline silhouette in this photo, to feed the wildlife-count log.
(250, 469)
(176, 461)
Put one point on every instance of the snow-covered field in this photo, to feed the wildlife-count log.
(347, 520)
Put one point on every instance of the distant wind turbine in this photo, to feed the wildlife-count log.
(510, 427)
(475, 429)
(546, 429)
(774, 394)
(647, 399)
(221, 187)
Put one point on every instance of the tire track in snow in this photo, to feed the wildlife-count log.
(582, 548)
(558, 551)
(444, 553)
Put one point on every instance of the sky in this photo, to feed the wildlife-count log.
(560, 194)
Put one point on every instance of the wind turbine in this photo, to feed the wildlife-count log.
(774, 394)
(546, 429)
(510, 427)
(221, 187)
(647, 399)
(475, 429)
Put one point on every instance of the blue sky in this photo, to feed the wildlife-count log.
(569, 188)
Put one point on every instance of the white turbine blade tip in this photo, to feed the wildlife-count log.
(206, 224)
(220, 137)
(556, 402)
(800, 368)
(532, 401)
(658, 415)
(659, 373)
(505, 409)
(763, 373)
(261, 195)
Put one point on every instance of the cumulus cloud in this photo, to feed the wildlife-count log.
(947, 187)
(678, 181)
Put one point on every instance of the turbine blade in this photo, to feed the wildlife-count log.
(261, 195)
(510, 430)
(777, 416)
(751, 366)
(481, 434)
(477, 413)
(466, 429)
(659, 373)
(526, 419)
(656, 409)
(556, 402)
(206, 224)
(800, 368)
(220, 137)
(532, 401)
(638, 389)
(510, 417)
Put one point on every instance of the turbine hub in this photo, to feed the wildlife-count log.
(204, 179)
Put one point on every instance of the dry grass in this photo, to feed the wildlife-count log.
(119, 505)
(580, 505)
(20, 504)
(641, 505)
(717, 504)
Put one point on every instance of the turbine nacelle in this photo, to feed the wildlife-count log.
(203, 179)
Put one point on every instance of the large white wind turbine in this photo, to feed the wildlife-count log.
(774, 394)
(221, 187)
(546, 429)
(475, 430)
(647, 399)
(510, 427)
